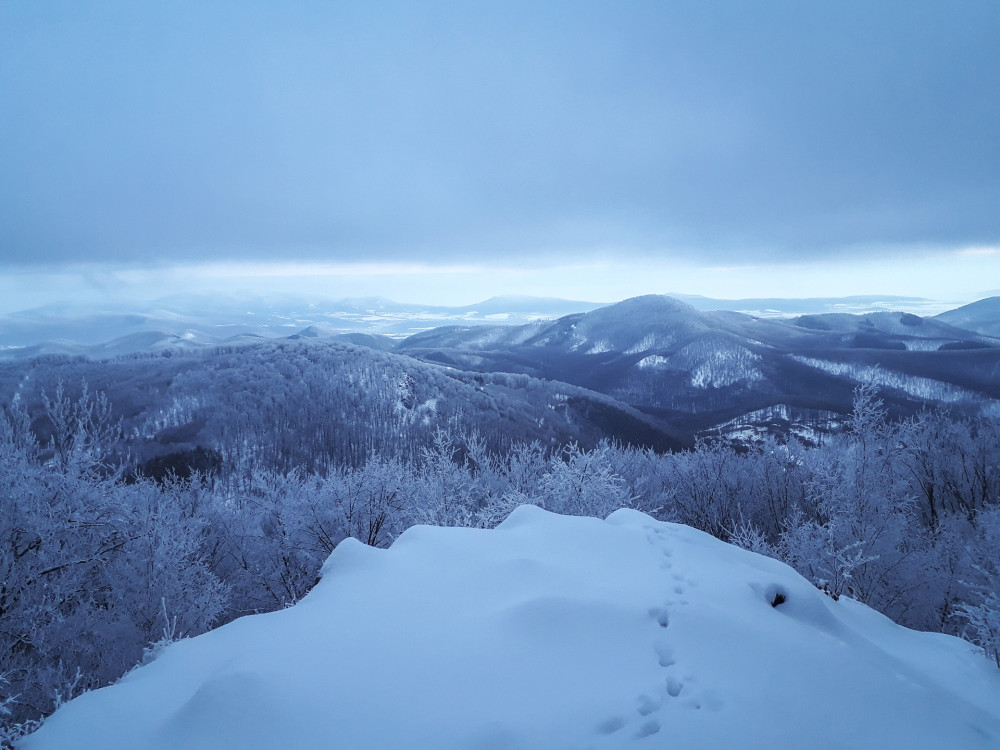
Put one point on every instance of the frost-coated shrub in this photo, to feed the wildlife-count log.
(983, 619)
(85, 561)
(583, 483)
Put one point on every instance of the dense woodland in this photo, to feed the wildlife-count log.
(108, 551)
(313, 405)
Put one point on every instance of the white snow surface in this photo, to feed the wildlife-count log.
(653, 361)
(549, 632)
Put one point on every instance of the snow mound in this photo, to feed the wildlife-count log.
(550, 632)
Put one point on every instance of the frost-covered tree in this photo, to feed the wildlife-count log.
(979, 609)
(713, 487)
(444, 491)
(854, 536)
(584, 483)
(84, 435)
(86, 560)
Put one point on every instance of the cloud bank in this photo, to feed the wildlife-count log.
(449, 132)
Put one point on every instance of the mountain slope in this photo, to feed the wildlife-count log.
(982, 316)
(550, 632)
(212, 319)
(307, 402)
(704, 369)
(791, 306)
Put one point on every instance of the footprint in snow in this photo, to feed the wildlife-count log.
(661, 616)
(664, 654)
(648, 705)
(674, 687)
(610, 726)
(650, 727)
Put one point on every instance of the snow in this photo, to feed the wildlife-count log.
(601, 347)
(716, 364)
(550, 632)
(652, 361)
(922, 388)
(651, 341)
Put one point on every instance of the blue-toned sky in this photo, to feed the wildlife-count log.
(448, 151)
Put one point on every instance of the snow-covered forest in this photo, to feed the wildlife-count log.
(100, 564)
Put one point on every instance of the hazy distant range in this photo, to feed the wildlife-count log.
(203, 320)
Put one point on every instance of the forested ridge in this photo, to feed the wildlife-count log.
(311, 404)
(101, 558)
(705, 371)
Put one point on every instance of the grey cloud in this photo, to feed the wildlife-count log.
(438, 131)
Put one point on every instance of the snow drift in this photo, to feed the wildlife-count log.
(550, 632)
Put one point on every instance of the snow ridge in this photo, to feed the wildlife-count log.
(550, 632)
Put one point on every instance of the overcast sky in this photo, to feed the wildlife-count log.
(457, 150)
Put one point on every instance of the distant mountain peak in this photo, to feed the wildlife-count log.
(657, 301)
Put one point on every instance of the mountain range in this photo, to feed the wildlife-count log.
(706, 370)
(200, 320)
(690, 372)
(206, 320)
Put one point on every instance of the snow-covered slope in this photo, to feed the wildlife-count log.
(550, 632)
(982, 316)
(212, 319)
(700, 370)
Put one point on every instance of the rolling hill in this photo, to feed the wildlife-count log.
(702, 369)
(699, 371)
(982, 316)
(309, 403)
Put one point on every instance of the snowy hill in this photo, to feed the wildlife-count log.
(550, 632)
(211, 320)
(335, 401)
(982, 316)
(784, 307)
(702, 370)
